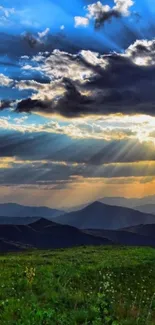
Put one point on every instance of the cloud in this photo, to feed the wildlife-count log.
(88, 83)
(44, 33)
(53, 153)
(81, 21)
(71, 98)
(142, 52)
(7, 11)
(104, 13)
(31, 40)
(5, 104)
(61, 145)
(5, 81)
(109, 129)
(54, 174)
(36, 40)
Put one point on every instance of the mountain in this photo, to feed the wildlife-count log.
(44, 234)
(132, 203)
(101, 216)
(17, 210)
(128, 202)
(120, 201)
(147, 208)
(124, 237)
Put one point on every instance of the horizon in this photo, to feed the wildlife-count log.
(59, 207)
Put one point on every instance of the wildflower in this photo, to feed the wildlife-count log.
(30, 274)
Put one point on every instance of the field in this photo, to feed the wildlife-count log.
(87, 285)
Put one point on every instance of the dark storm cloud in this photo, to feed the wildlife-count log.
(72, 98)
(121, 86)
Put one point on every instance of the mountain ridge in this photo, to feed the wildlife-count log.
(18, 210)
(98, 215)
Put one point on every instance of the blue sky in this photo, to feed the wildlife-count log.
(77, 100)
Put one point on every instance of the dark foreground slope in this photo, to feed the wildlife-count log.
(44, 234)
(101, 216)
(125, 237)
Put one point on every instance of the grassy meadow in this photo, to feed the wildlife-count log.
(86, 285)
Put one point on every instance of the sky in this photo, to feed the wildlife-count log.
(77, 100)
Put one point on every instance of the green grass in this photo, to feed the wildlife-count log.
(103, 285)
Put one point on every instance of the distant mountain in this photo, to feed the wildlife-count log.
(122, 237)
(128, 202)
(147, 208)
(17, 210)
(101, 216)
(120, 201)
(44, 234)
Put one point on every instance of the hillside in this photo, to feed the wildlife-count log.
(101, 216)
(82, 285)
(44, 234)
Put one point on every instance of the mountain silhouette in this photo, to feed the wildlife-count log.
(101, 216)
(17, 210)
(45, 234)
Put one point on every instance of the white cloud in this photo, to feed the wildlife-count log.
(7, 11)
(81, 21)
(142, 52)
(62, 27)
(95, 9)
(5, 81)
(123, 6)
(102, 13)
(44, 33)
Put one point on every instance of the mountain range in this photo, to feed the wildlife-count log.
(144, 204)
(102, 216)
(95, 224)
(45, 234)
(130, 202)
(17, 210)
